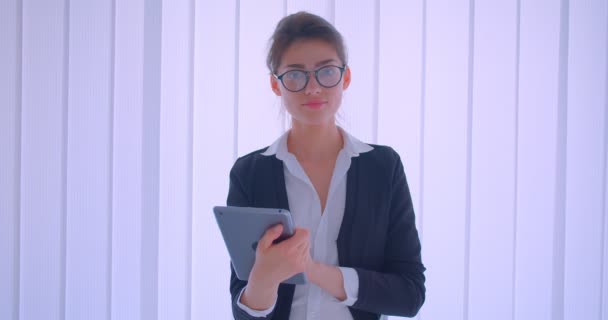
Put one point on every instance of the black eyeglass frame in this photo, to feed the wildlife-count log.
(307, 75)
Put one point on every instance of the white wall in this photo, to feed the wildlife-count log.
(119, 122)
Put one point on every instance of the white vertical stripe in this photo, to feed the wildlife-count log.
(585, 152)
(355, 20)
(17, 172)
(259, 122)
(110, 224)
(445, 158)
(175, 201)
(190, 158)
(516, 157)
(604, 245)
(150, 159)
(213, 151)
(64, 155)
(467, 205)
(127, 160)
(423, 64)
(10, 144)
(537, 143)
(89, 148)
(492, 162)
(237, 69)
(376, 70)
(559, 231)
(399, 87)
(42, 182)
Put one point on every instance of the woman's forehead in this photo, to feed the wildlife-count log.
(309, 53)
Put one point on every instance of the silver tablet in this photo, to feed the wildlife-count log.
(242, 227)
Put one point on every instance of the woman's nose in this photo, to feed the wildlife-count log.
(313, 86)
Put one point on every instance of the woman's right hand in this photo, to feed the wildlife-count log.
(275, 263)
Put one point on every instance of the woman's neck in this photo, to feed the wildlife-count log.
(315, 143)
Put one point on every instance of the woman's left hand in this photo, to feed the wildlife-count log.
(328, 278)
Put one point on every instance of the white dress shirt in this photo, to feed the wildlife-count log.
(310, 302)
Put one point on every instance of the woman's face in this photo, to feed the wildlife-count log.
(315, 104)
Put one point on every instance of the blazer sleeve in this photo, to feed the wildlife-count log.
(398, 289)
(237, 196)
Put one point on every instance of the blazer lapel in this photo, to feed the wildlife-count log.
(350, 208)
(279, 184)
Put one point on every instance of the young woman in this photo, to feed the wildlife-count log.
(356, 238)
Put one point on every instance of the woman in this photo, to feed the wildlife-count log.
(356, 238)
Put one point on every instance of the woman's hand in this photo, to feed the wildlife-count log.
(328, 278)
(275, 263)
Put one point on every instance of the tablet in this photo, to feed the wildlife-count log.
(241, 229)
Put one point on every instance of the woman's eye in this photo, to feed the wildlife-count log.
(327, 71)
(295, 75)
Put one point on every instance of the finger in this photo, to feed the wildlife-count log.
(270, 235)
(304, 254)
(304, 242)
(301, 248)
(306, 248)
(301, 235)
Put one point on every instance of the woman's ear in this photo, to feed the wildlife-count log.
(346, 81)
(274, 85)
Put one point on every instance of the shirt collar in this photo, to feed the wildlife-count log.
(352, 146)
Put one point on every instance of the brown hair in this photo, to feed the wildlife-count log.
(298, 26)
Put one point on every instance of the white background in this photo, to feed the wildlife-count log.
(119, 121)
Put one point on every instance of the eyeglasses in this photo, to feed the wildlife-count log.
(297, 80)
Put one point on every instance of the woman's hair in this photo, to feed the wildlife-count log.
(302, 26)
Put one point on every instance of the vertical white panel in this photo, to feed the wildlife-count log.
(323, 8)
(604, 292)
(585, 158)
(493, 161)
(536, 158)
(213, 151)
(259, 123)
(150, 159)
(127, 161)
(10, 133)
(89, 160)
(175, 192)
(42, 234)
(400, 83)
(445, 156)
(356, 21)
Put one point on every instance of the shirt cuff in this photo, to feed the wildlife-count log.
(257, 313)
(351, 285)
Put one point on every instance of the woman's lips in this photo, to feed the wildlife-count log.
(315, 104)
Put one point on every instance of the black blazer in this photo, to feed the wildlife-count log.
(378, 236)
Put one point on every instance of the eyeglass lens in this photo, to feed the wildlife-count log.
(296, 80)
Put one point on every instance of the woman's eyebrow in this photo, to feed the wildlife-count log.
(324, 62)
(295, 65)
